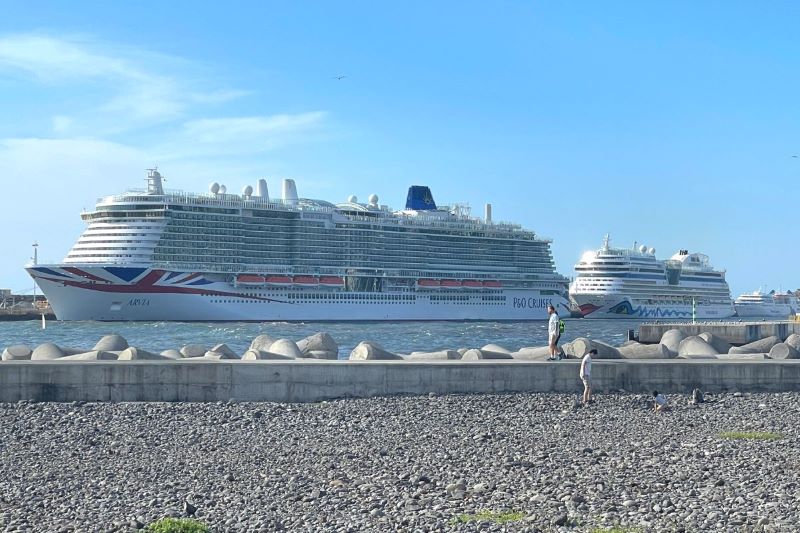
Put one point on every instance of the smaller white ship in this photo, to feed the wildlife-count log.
(765, 305)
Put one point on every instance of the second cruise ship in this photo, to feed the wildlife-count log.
(160, 255)
(632, 283)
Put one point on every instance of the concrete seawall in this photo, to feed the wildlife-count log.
(736, 333)
(310, 381)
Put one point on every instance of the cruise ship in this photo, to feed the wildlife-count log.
(632, 283)
(166, 255)
(763, 305)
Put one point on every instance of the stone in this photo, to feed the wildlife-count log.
(582, 345)
(645, 351)
(219, 352)
(90, 356)
(111, 343)
(17, 352)
(696, 348)
(319, 346)
(193, 350)
(261, 355)
(782, 350)
(371, 351)
(793, 340)
(172, 354)
(47, 351)
(133, 354)
(262, 342)
(697, 397)
(759, 346)
(671, 339)
(285, 347)
(495, 348)
(476, 355)
(442, 355)
(716, 342)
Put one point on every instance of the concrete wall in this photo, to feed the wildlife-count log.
(737, 333)
(310, 381)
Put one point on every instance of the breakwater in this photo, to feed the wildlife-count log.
(737, 333)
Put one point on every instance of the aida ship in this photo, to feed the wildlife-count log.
(632, 283)
(160, 255)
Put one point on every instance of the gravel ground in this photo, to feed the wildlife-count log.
(403, 464)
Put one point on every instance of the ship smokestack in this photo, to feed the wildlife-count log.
(261, 190)
(289, 192)
(488, 216)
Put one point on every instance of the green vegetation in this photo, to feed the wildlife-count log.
(177, 525)
(497, 517)
(751, 435)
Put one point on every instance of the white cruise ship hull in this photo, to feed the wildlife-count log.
(78, 292)
(763, 310)
(615, 306)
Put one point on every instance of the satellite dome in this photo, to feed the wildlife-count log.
(373, 199)
(353, 199)
(651, 251)
(214, 187)
(247, 191)
(223, 189)
(643, 248)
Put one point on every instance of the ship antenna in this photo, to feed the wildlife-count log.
(606, 241)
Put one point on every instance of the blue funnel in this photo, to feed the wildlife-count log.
(420, 199)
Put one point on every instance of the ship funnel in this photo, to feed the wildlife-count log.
(262, 191)
(154, 179)
(289, 192)
(488, 216)
(420, 199)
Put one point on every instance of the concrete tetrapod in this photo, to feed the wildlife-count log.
(743, 356)
(286, 347)
(47, 351)
(371, 351)
(193, 350)
(645, 351)
(219, 352)
(90, 356)
(495, 348)
(716, 342)
(172, 354)
(793, 340)
(582, 345)
(442, 355)
(319, 346)
(111, 343)
(17, 352)
(262, 342)
(135, 354)
(532, 353)
(477, 355)
(783, 350)
(759, 346)
(261, 355)
(696, 348)
(671, 339)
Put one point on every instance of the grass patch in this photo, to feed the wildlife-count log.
(750, 435)
(496, 517)
(177, 525)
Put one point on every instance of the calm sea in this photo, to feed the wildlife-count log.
(402, 337)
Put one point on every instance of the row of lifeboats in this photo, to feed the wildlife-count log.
(428, 283)
(254, 280)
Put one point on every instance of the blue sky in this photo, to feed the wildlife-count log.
(671, 124)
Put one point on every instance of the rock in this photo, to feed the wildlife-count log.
(262, 342)
(716, 342)
(285, 347)
(782, 350)
(193, 350)
(495, 348)
(645, 351)
(697, 397)
(260, 355)
(671, 339)
(90, 356)
(696, 348)
(220, 351)
(319, 346)
(759, 346)
(442, 355)
(371, 351)
(793, 340)
(476, 355)
(540, 353)
(47, 351)
(132, 354)
(17, 352)
(111, 343)
(582, 345)
(172, 354)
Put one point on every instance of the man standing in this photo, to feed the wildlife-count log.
(586, 376)
(553, 333)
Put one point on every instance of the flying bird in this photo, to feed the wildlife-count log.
(339, 77)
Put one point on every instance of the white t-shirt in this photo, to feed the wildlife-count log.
(661, 400)
(552, 326)
(586, 365)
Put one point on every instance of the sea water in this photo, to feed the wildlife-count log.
(398, 337)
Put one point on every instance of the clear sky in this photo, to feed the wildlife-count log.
(668, 123)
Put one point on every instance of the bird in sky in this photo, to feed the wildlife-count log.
(339, 77)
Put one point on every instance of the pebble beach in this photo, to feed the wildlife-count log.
(518, 462)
